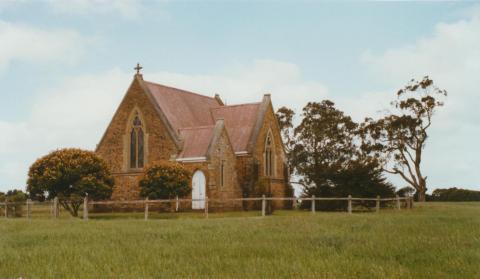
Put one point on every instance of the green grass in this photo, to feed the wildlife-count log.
(434, 240)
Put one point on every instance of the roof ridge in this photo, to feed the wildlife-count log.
(183, 90)
(197, 127)
(238, 105)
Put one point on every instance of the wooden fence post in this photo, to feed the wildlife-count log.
(263, 205)
(398, 202)
(176, 203)
(313, 203)
(206, 207)
(85, 208)
(350, 204)
(55, 207)
(411, 202)
(6, 209)
(29, 209)
(146, 209)
(377, 206)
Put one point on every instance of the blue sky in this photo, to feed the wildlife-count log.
(64, 66)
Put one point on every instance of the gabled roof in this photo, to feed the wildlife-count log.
(196, 141)
(190, 115)
(183, 109)
(194, 121)
(239, 122)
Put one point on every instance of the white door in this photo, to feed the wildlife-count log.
(198, 190)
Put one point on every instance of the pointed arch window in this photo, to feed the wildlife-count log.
(269, 155)
(137, 144)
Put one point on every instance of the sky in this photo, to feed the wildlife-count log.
(65, 65)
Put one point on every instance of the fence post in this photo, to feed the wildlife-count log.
(377, 206)
(206, 207)
(85, 208)
(313, 203)
(350, 204)
(6, 209)
(398, 202)
(176, 203)
(55, 207)
(146, 209)
(264, 203)
(29, 209)
(411, 202)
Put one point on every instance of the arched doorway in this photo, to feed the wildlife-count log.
(198, 190)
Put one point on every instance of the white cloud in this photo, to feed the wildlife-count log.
(125, 8)
(76, 112)
(248, 83)
(7, 4)
(26, 43)
(451, 57)
(72, 114)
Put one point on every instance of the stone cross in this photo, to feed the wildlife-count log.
(138, 68)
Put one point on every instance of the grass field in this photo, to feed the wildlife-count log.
(434, 240)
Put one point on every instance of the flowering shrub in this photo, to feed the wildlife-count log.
(70, 174)
(165, 180)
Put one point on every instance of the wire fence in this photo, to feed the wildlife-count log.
(195, 208)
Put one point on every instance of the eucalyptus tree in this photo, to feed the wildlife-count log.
(398, 139)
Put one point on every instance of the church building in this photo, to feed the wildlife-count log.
(228, 148)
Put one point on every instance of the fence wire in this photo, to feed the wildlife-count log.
(194, 208)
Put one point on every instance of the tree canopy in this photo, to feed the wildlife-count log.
(398, 139)
(325, 153)
(70, 174)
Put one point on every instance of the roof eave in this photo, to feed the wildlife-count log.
(264, 105)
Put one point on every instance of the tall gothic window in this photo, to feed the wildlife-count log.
(136, 144)
(269, 156)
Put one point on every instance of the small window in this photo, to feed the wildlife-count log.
(269, 156)
(222, 173)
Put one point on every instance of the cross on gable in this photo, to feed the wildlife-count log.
(138, 68)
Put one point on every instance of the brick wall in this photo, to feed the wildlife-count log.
(113, 147)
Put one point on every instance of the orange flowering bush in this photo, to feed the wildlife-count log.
(70, 174)
(165, 180)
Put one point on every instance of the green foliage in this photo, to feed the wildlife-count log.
(455, 194)
(406, 191)
(263, 187)
(285, 117)
(13, 196)
(326, 153)
(16, 198)
(398, 140)
(70, 174)
(359, 180)
(165, 180)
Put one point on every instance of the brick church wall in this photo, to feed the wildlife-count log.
(277, 181)
(113, 148)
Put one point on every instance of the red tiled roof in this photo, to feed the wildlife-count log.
(239, 122)
(193, 117)
(182, 108)
(196, 141)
